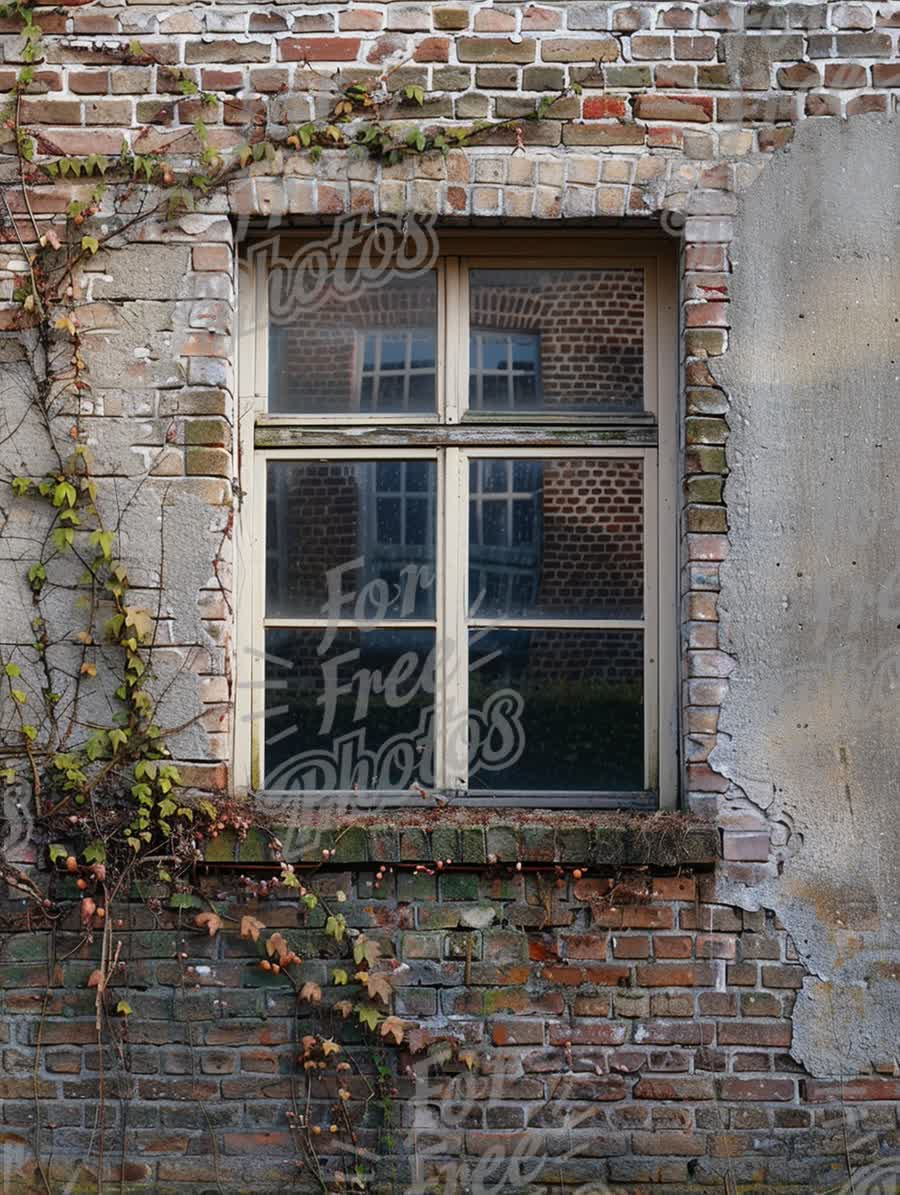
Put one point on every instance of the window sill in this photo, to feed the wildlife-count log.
(476, 837)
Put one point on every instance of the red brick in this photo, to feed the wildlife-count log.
(761, 1090)
(674, 887)
(717, 1004)
(518, 1033)
(259, 1143)
(595, 1033)
(585, 946)
(318, 49)
(673, 947)
(631, 946)
(674, 1033)
(674, 1089)
(854, 1091)
(886, 74)
(688, 108)
(608, 976)
(755, 1033)
(686, 1145)
(433, 49)
(89, 82)
(845, 74)
(716, 946)
(674, 975)
(782, 977)
(604, 107)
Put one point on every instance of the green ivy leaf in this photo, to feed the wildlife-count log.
(117, 739)
(339, 976)
(12, 670)
(94, 852)
(90, 244)
(19, 696)
(124, 1008)
(58, 852)
(369, 1015)
(21, 486)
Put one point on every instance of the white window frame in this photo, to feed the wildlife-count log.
(505, 435)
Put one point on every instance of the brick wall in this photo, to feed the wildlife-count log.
(634, 1033)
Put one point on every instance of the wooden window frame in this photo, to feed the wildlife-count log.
(452, 437)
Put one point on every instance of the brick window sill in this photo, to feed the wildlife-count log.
(475, 838)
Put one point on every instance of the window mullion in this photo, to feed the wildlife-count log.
(452, 643)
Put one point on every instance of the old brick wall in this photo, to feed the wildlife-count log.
(678, 1011)
(630, 1033)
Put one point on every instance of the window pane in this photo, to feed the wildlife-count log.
(568, 533)
(351, 349)
(351, 709)
(561, 340)
(556, 711)
(350, 539)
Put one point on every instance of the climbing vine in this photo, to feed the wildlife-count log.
(88, 739)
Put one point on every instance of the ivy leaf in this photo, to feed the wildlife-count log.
(12, 670)
(277, 944)
(19, 696)
(211, 922)
(366, 948)
(344, 1007)
(311, 992)
(57, 852)
(140, 620)
(21, 486)
(335, 928)
(369, 1015)
(330, 1046)
(124, 1008)
(117, 738)
(394, 1027)
(90, 244)
(104, 541)
(183, 900)
(30, 732)
(95, 980)
(88, 669)
(94, 852)
(64, 491)
(379, 987)
(251, 927)
(340, 977)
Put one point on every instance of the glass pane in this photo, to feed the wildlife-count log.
(568, 532)
(348, 348)
(351, 709)
(350, 539)
(556, 711)
(576, 338)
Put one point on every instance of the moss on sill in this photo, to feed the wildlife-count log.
(476, 837)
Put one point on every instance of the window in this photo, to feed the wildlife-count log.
(458, 562)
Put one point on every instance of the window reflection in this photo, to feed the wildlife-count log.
(556, 341)
(351, 539)
(373, 353)
(560, 538)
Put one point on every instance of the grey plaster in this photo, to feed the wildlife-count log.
(811, 589)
